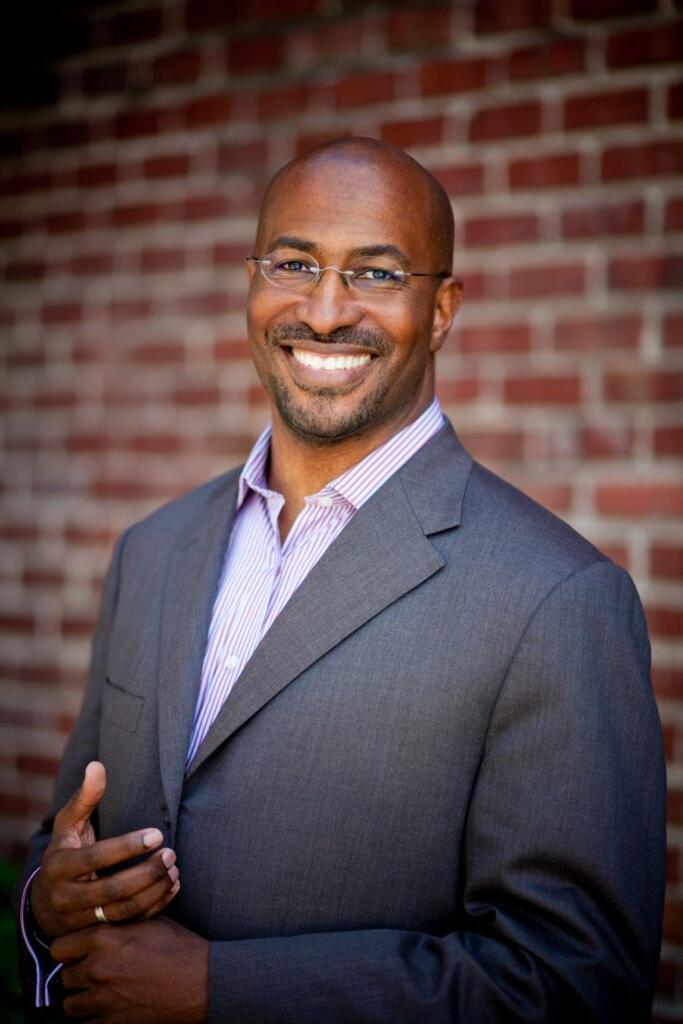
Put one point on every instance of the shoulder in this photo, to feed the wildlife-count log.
(177, 520)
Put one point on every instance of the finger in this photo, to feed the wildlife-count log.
(162, 903)
(75, 863)
(137, 906)
(74, 945)
(75, 813)
(79, 1006)
(122, 885)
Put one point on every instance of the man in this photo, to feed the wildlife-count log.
(391, 717)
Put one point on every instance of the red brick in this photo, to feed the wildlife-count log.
(461, 179)
(453, 76)
(644, 160)
(665, 622)
(80, 443)
(646, 498)
(177, 68)
(618, 553)
(494, 16)
(65, 134)
(42, 578)
(133, 124)
(675, 101)
(103, 79)
(673, 330)
(600, 109)
(254, 54)
(207, 110)
(20, 184)
(494, 338)
(210, 14)
(210, 304)
(25, 270)
(18, 532)
(406, 134)
(501, 230)
(410, 30)
(666, 562)
(557, 497)
(501, 122)
(554, 57)
(89, 535)
(507, 445)
(197, 395)
(311, 140)
(158, 352)
(606, 442)
(527, 282)
(153, 260)
(34, 764)
(673, 216)
(552, 171)
(66, 222)
(643, 386)
(96, 175)
(170, 165)
(130, 27)
(17, 622)
(195, 208)
(597, 333)
(542, 390)
(646, 272)
(129, 309)
(158, 444)
(86, 264)
(61, 312)
(134, 215)
(231, 348)
(673, 866)
(667, 682)
(227, 253)
(361, 90)
(26, 358)
(462, 389)
(595, 10)
(283, 101)
(658, 44)
(243, 156)
(625, 218)
(15, 806)
(54, 400)
(668, 440)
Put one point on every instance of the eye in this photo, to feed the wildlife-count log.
(291, 267)
(379, 274)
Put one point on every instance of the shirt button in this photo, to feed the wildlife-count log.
(325, 501)
(232, 661)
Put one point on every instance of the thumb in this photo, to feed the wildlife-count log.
(83, 803)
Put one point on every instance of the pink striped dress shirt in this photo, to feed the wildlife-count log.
(260, 574)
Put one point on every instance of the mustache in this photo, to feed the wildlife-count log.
(373, 341)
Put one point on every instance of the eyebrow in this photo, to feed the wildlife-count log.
(304, 245)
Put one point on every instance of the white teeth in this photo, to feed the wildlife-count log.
(317, 362)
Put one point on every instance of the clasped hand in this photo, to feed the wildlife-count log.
(133, 969)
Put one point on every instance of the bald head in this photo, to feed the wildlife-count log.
(419, 194)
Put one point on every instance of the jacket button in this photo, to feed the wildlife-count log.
(167, 816)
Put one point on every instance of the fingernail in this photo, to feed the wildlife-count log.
(173, 874)
(152, 838)
(168, 857)
(175, 888)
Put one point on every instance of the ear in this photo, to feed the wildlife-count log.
(251, 270)
(446, 304)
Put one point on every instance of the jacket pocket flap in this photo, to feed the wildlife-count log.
(121, 707)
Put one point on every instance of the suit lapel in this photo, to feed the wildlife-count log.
(381, 555)
(189, 593)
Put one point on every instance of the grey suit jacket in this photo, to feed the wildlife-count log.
(436, 792)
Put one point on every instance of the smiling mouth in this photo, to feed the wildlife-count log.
(329, 363)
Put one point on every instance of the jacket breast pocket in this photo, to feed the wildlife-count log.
(120, 707)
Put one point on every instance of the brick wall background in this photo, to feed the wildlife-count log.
(135, 138)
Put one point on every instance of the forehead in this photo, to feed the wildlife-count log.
(340, 205)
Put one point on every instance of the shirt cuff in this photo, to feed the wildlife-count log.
(37, 946)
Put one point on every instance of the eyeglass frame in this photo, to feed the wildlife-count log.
(347, 275)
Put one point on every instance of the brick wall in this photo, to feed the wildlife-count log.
(131, 162)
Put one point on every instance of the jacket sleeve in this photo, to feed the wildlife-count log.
(558, 912)
(38, 970)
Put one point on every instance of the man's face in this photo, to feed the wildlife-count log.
(337, 363)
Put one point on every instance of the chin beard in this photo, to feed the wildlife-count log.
(319, 422)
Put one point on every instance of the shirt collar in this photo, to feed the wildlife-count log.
(358, 483)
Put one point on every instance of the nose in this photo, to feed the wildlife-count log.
(329, 303)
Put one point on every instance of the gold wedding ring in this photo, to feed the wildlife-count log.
(101, 916)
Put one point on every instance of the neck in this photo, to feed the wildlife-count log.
(301, 466)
